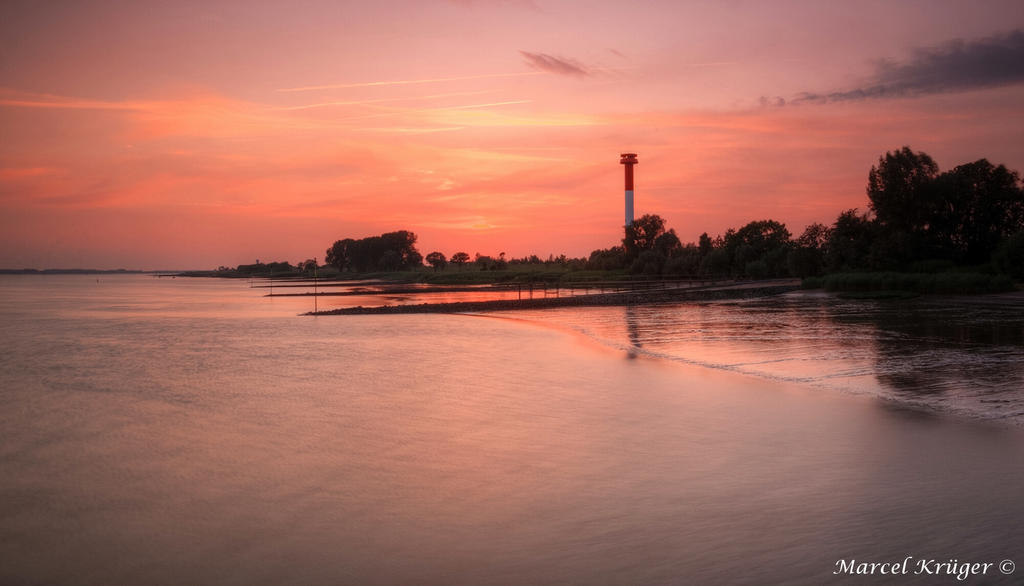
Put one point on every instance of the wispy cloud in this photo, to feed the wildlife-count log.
(420, 112)
(383, 100)
(552, 64)
(16, 173)
(16, 99)
(336, 86)
(474, 106)
(194, 114)
(951, 67)
(403, 130)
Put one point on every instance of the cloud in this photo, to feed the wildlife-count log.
(20, 173)
(383, 100)
(336, 86)
(17, 99)
(556, 65)
(951, 67)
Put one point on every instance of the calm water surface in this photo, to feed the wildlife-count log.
(191, 431)
(946, 355)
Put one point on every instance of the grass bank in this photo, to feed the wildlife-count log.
(894, 284)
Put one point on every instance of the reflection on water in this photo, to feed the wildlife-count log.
(633, 330)
(191, 432)
(341, 294)
(956, 355)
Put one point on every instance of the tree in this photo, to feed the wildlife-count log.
(668, 244)
(704, 244)
(403, 244)
(307, 266)
(460, 258)
(807, 256)
(762, 236)
(278, 268)
(899, 190)
(765, 240)
(390, 251)
(849, 242)
(389, 260)
(960, 215)
(814, 236)
(642, 234)
(604, 259)
(338, 255)
(437, 260)
(980, 204)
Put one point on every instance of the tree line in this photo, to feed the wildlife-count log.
(918, 219)
(394, 251)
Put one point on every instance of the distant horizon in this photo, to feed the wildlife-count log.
(31, 270)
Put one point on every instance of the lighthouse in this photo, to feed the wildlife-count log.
(629, 159)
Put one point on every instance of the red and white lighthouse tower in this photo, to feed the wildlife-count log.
(629, 159)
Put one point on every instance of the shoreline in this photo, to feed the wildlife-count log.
(597, 299)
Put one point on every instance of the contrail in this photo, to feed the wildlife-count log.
(405, 81)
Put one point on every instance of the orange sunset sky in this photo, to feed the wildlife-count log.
(177, 135)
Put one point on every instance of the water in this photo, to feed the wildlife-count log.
(191, 431)
(946, 355)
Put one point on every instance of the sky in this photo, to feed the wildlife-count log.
(189, 135)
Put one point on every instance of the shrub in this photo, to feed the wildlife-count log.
(686, 263)
(649, 262)
(1009, 256)
(757, 269)
(804, 262)
(931, 266)
(943, 283)
(812, 283)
